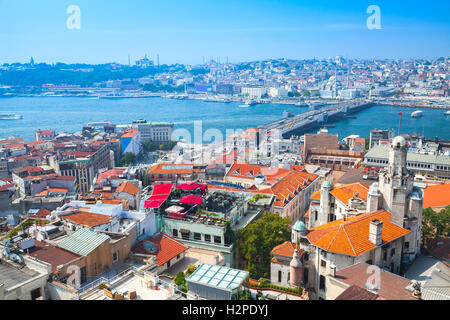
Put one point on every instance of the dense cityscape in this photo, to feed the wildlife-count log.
(416, 81)
(276, 179)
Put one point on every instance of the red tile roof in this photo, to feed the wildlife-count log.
(88, 219)
(127, 187)
(346, 192)
(53, 255)
(351, 236)
(440, 248)
(167, 248)
(392, 286)
(287, 249)
(130, 134)
(111, 174)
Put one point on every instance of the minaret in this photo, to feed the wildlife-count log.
(324, 211)
(373, 198)
(396, 181)
(295, 270)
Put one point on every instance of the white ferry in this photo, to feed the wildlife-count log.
(417, 114)
(10, 116)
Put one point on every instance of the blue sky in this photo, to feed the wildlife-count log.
(188, 31)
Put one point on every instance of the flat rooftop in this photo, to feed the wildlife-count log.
(11, 276)
(130, 284)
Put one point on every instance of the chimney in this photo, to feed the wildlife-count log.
(375, 232)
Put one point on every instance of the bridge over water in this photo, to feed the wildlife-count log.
(311, 119)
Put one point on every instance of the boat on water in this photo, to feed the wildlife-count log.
(417, 114)
(250, 102)
(287, 114)
(447, 113)
(10, 116)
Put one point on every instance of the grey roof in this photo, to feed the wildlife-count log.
(218, 277)
(83, 241)
(382, 152)
(11, 276)
(438, 286)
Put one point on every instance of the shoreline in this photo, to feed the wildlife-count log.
(239, 100)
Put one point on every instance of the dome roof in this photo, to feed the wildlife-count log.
(398, 141)
(299, 226)
(326, 184)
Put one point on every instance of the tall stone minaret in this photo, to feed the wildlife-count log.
(401, 198)
(396, 182)
(324, 211)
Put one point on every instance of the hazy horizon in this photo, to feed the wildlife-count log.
(190, 32)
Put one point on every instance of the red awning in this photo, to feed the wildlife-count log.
(191, 199)
(160, 194)
(191, 186)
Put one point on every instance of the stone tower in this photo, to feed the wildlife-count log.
(324, 211)
(374, 198)
(295, 270)
(400, 197)
(396, 181)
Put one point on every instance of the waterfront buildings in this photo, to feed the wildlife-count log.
(427, 165)
(158, 132)
(378, 136)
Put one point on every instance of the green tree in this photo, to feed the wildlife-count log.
(258, 239)
(127, 159)
(149, 145)
(367, 146)
(306, 93)
(435, 224)
(190, 270)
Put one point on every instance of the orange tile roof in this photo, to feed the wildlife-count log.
(306, 214)
(112, 173)
(127, 187)
(130, 134)
(346, 192)
(287, 249)
(167, 246)
(316, 195)
(351, 237)
(157, 169)
(88, 219)
(287, 188)
(436, 196)
(249, 171)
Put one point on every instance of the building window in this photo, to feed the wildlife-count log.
(384, 255)
(197, 236)
(168, 264)
(322, 283)
(115, 257)
(392, 252)
(323, 263)
(207, 237)
(175, 232)
(406, 245)
(279, 275)
(185, 235)
(217, 239)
